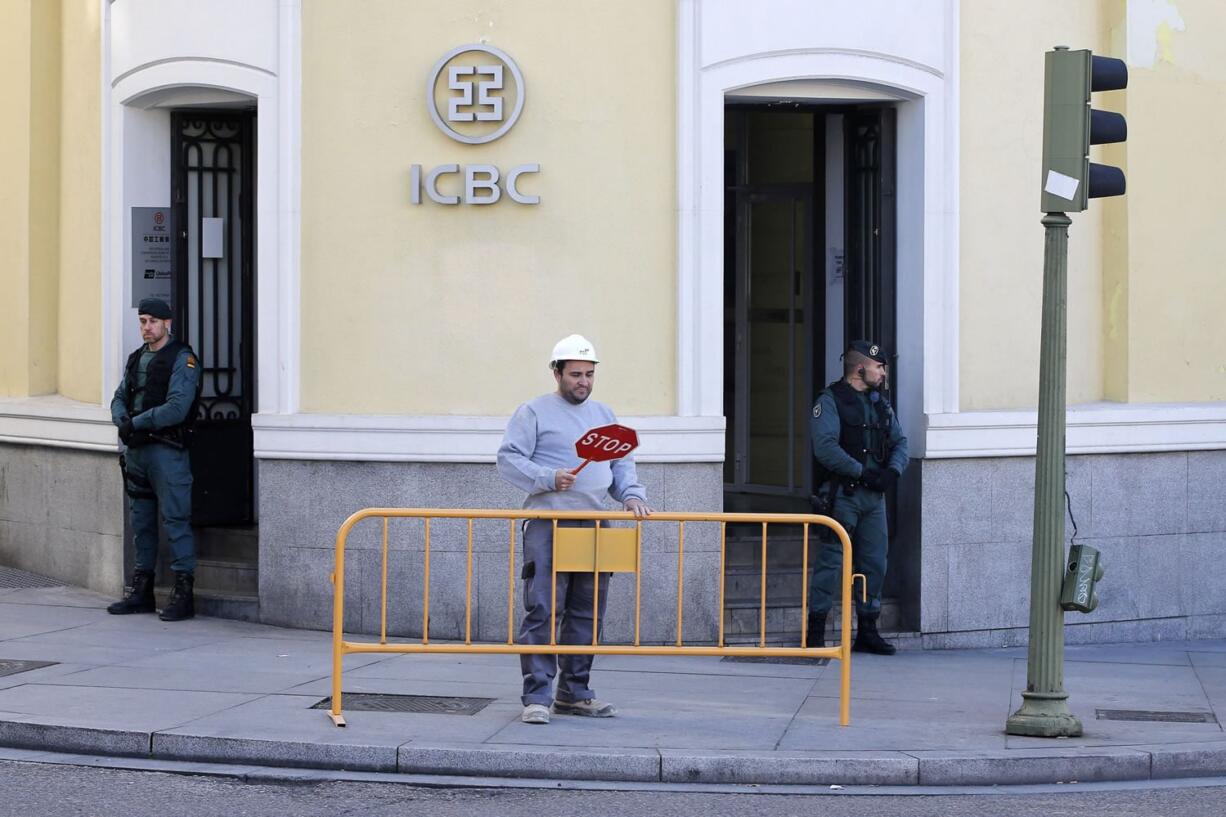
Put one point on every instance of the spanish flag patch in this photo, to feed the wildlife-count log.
(191, 362)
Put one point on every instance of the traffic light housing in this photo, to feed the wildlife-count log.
(1070, 126)
(1084, 571)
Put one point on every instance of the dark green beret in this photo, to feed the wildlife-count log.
(869, 350)
(155, 308)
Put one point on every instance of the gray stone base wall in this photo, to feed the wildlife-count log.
(302, 504)
(62, 515)
(1158, 519)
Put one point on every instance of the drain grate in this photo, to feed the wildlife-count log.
(429, 704)
(1152, 715)
(13, 579)
(767, 659)
(9, 666)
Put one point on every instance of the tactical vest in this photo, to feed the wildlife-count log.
(157, 384)
(853, 429)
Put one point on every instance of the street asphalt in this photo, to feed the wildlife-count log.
(220, 691)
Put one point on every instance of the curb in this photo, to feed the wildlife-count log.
(647, 765)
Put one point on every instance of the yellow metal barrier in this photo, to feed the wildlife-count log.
(599, 550)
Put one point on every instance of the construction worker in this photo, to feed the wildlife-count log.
(154, 407)
(538, 456)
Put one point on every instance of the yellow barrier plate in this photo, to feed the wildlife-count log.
(574, 550)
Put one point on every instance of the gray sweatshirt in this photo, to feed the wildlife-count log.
(540, 439)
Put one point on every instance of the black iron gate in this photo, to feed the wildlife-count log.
(870, 305)
(212, 192)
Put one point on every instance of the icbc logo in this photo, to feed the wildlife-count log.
(475, 93)
(158, 218)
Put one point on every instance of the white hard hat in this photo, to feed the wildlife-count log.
(573, 347)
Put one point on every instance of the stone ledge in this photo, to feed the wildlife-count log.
(302, 754)
(83, 739)
(797, 768)
(1027, 766)
(515, 760)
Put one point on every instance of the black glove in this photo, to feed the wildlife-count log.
(125, 429)
(879, 479)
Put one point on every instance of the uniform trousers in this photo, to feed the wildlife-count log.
(863, 515)
(166, 473)
(574, 619)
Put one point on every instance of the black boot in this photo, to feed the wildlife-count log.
(815, 633)
(138, 598)
(181, 603)
(869, 640)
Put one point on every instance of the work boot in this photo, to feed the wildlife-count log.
(535, 713)
(590, 708)
(181, 603)
(815, 632)
(138, 598)
(869, 640)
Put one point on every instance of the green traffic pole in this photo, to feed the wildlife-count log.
(1044, 711)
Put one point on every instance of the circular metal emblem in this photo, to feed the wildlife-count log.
(873, 350)
(475, 93)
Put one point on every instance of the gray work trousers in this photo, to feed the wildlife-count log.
(574, 619)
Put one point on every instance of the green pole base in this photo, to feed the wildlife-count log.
(1044, 716)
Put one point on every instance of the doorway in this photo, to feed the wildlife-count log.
(212, 192)
(212, 174)
(809, 232)
(809, 228)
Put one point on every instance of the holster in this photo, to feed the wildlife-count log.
(135, 487)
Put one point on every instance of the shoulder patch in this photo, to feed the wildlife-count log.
(191, 361)
(817, 409)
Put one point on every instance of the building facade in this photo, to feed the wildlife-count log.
(379, 216)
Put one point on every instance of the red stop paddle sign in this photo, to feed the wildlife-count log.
(611, 442)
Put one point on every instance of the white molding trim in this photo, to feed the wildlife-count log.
(1096, 428)
(278, 99)
(57, 422)
(373, 438)
(715, 59)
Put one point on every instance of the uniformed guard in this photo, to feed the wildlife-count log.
(861, 453)
(154, 408)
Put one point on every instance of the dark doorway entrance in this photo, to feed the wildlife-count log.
(809, 244)
(212, 192)
(772, 178)
(809, 237)
(213, 177)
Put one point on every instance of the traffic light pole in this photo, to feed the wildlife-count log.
(1044, 711)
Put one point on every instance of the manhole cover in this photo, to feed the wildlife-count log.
(9, 666)
(1155, 715)
(767, 659)
(429, 704)
(12, 578)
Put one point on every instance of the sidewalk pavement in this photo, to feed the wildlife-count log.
(231, 692)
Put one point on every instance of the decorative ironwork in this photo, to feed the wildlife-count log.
(214, 178)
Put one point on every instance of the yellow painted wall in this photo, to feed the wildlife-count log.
(15, 48)
(44, 165)
(50, 202)
(429, 309)
(1001, 252)
(80, 203)
(1176, 202)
